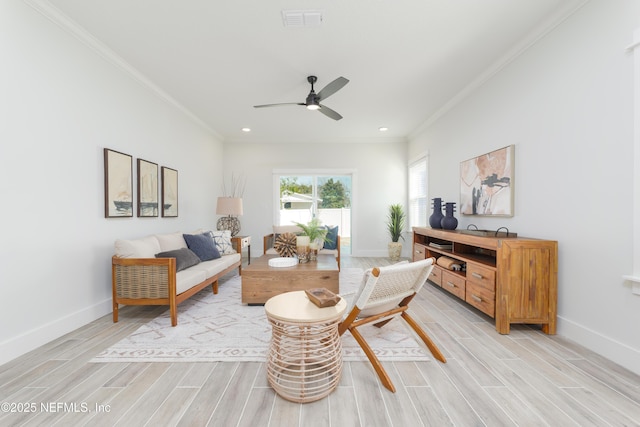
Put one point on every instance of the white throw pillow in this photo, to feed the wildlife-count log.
(171, 241)
(222, 239)
(147, 247)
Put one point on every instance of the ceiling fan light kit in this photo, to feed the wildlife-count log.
(312, 101)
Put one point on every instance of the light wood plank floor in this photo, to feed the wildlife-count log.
(524, 379)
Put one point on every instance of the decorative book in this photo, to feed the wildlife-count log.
(441, 245)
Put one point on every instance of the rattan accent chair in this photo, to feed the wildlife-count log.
(385, 292)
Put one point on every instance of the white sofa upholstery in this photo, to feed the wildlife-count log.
(141, 278)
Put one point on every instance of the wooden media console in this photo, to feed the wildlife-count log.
(511, 279)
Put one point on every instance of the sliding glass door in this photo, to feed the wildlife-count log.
(327, 196)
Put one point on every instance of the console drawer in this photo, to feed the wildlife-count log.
(419, 252)
(453, 283)
(482, 276)
(436, 275)
(481, 298)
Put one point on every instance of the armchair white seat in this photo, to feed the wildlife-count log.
(385, 292)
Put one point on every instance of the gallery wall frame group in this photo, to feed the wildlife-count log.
(152, 200)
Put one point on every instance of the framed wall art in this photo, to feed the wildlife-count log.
(118, 184)
(169, 192)
(147, 189)
(486, 183)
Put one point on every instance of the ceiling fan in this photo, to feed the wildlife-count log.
(313, 100)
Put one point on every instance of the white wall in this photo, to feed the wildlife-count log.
(566, 104)
(380, 179)
(62, 103)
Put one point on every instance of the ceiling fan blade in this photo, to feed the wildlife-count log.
(278, 105)
(332, 88)
(329, 112)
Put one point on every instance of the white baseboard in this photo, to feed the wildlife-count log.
(34, 338)
(613, 350)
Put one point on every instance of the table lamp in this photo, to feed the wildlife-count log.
(231, 207)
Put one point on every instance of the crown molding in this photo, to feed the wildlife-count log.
(79, 33)
(533, 37)
(336, 140)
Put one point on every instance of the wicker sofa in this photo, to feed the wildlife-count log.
(269, 240)
(161, 269)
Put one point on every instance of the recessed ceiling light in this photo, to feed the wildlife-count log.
(383, 129)
(246, 130)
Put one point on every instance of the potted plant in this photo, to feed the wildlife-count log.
(395, 225)
(316, 232)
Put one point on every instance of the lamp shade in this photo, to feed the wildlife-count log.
(229, 206)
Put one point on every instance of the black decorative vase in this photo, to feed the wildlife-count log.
(436, 217)
(449, 222)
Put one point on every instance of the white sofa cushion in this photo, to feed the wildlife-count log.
(187, 279)
(146, 247)
(213, 267)
(171, 241)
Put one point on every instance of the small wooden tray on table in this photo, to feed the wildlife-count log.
(322, 297)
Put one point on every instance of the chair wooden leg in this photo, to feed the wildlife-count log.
(214, 286)
(344, 325)
(430, 344)
(173, 312)
(377, 366)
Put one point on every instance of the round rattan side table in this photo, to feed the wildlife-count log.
(304, 362)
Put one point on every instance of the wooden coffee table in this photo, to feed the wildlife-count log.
(261, 282)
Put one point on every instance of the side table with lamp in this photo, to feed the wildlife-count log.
(240, 243)
(232, 208)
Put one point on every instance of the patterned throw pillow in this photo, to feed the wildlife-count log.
(222, 239)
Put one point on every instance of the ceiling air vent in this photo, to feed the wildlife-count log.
(302, 18)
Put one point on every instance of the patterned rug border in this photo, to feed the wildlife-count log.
(152, 342)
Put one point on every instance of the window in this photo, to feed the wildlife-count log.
(418, 193)
(300, 196)
(634, 278)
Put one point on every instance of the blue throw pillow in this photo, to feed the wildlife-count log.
(332, 238)
(202, 245)
(185, 258)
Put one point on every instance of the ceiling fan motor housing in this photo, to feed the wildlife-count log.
(313, 101)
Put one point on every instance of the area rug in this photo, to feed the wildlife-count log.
(219, 328)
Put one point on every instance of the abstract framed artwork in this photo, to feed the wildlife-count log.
(169, 192)
(118, 184)
(486, 183)
(147, 189)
